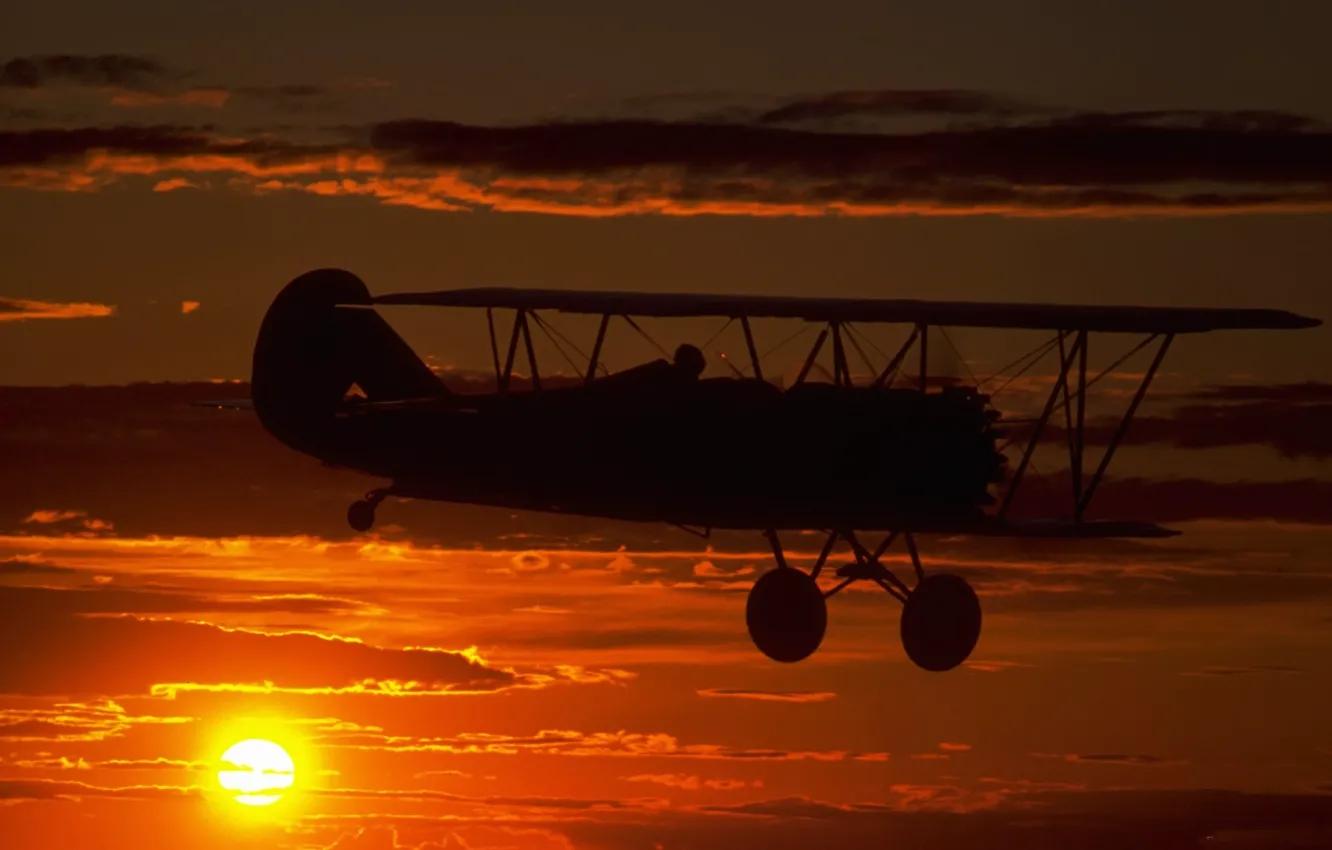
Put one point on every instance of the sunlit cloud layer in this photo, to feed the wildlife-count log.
(837, 154)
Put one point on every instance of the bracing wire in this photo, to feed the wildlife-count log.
(645, 335)
(1059, 406)
(1034, 356)
(567, 341)
(774, 349)
(705, 346)
(858, 332)
(547, 331)
(960, 358)
(851, 338)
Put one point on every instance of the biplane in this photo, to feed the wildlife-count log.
(660, 442)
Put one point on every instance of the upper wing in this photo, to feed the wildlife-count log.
(978, 314)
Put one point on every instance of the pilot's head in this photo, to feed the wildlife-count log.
(690, 360)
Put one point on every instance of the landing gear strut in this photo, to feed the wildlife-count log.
(361, 514)
(787, 612)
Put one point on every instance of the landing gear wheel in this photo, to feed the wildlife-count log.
(941, 622)
(786, 614)
(361, 515)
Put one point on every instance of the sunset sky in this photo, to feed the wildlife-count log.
(174, 581)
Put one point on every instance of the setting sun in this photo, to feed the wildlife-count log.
(256, 771)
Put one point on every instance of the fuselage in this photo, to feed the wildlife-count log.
(655, 443)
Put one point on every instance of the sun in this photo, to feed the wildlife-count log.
(256, 772)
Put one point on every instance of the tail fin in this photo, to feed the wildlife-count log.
(319, 337)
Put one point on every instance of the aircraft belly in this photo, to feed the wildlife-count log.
(727, 461)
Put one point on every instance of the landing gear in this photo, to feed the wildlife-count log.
(361, 514)
(786, 615)
(941, 622)
(787, 612)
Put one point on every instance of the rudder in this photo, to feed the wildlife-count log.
(319, 337)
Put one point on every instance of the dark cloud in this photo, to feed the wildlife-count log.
(69, 654)
(1176, 500)
(145, 81)
(1293, 419)
(1148, 820)
(1224, 579)
(1221, 672)
(291, 98)
(1306, 392)
(1053, 166)
(827, 108)
(43, 602)
(611, 637)
(1241, 120)
(118, 70)
(285, 91)
(24, 113)
(689, 782)
(57, 146)
(1008, 819)
(1109, 154)
(800, 807)
(768, 696)
(1181, 500)
(1114, 758)
(24, 567)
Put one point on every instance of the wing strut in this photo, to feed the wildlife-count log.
(753, 352)
(890, 371)
(813, 355)
(513, 351)
(1074, 405)
(494, 344)
(1065, 363)
(1123, 426)
(924, 353)
(593, 359)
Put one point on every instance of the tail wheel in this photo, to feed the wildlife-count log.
(361, 515)
(786, 614)
(941, 622)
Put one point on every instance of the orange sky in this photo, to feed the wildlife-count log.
(172, 580)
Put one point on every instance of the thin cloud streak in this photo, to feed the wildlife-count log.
(108, 69)
(22, 310)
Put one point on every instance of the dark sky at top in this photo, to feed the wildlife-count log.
(339, 73)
